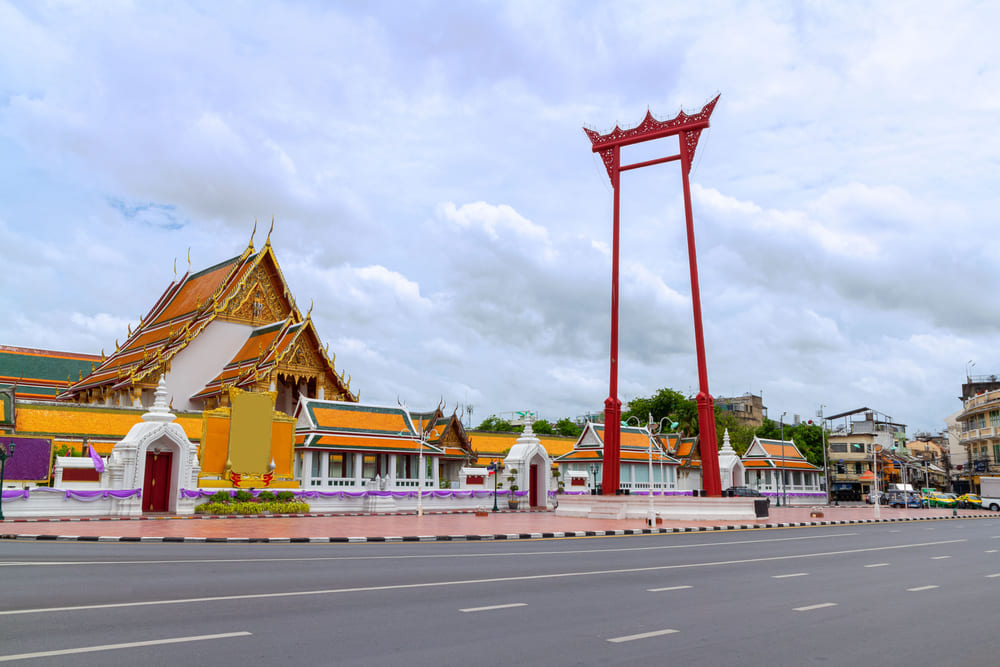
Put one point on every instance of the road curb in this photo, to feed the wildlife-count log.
(469, 537)
(209, 517)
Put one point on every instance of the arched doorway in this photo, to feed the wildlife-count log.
(156, 482)
(160, 475)
(538, 468)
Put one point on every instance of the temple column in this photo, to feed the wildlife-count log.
(307, 457)
(359, 464)
(391, 473)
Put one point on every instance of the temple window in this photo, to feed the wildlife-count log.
(368, 467)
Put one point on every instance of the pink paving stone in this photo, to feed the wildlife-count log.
(428, 525)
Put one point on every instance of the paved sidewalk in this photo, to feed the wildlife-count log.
(430, 527)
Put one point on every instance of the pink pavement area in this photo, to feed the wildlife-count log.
(411, 525)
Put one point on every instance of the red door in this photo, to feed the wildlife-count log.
(532, 486)
(156, 486)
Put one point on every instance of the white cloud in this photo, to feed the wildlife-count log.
(844, 201)
(493, 220)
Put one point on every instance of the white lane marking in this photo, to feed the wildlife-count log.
(498, 554)
(786, 576)
(991, 551)
(642, 635)
(668, 588)
(816, 606)
(112, 647)
(991, 576)
(894, 531)
(496, 606)
(877, 565)
(939, 557)
(921, 588)
(466, 582)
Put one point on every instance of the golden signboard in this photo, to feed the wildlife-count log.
(248, 445)
(250, 431)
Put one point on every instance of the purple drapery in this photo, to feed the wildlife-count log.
(429, 493)
(86, 495)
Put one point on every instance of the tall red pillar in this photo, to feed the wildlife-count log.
(611, 465)
(608, 146)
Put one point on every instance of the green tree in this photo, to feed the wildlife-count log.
(809, 440)
(494, 423)
(666, 403)
(769, 429)
(807, 437)
(740, 435)
(542, 427)
(568, 427)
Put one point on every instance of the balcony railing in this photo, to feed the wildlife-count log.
(986, 398)
(979, 433)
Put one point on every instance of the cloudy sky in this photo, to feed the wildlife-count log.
(435, 196)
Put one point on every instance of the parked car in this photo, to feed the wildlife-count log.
(969, 501)
(938, 499)
(901, 499)
(883, 499)
(744, 492)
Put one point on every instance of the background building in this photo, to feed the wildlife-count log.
(978, 430)
(747, 409)
(855, 437)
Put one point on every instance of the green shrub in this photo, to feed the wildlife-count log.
(220, 497)
(286, 496)
(243, 496)
(212, 508)
(249, 507)
(265, 496)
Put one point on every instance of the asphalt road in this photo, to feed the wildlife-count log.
(915, 593)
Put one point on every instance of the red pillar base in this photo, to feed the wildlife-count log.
(611, 468)
(710, 477)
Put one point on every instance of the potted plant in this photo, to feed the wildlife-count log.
(512, 501)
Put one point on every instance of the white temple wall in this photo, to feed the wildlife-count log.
(198, 363)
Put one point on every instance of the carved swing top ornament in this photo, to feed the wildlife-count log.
(648, 129)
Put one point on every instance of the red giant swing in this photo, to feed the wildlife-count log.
(688, 129)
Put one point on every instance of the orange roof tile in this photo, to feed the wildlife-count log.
(369, 443)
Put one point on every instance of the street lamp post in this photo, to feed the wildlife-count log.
(826, 468)
(495, 467)
(781, 421)
(421, 432)
(836, 498)
(420, 475)
(875, 494)
(4, 454)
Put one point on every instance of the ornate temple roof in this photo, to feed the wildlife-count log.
(266, 347)
(249, 288)
(634, 446)
(42, 374)
(767, 453)
(357, 426)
